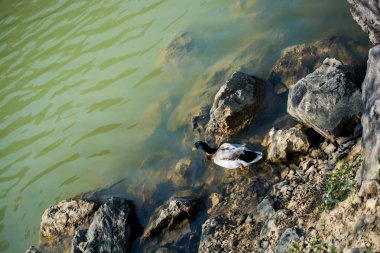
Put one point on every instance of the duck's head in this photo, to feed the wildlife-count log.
(201, 145)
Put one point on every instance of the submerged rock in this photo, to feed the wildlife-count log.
(235, 104)
(180, 175)
(367, 14)
(282, 144)
(178, 48)
(170, 214)
(327, 100)
(112, 229)
(64, 218)
(371, 117)
(298, 61)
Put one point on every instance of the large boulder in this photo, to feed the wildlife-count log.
(235, 104)
(327, 100)
(282, 144)
(64, 218)
(371, 117)
(367, 14)
(112, 229)
(298, 61)
(170, 214)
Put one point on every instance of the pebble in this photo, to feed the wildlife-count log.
(371, 204)
(329, 149)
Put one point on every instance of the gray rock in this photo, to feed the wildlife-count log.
(287, 239)
(235, 104)
(298, 61)
(327, 100)
(371, 117)
(112, 229)
(64, 218)
(208, 228)
(32, 249)
(170, 214)
(265, 207)
(367, 14)
(281, 144)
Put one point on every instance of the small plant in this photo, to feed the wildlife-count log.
(295, 248)
(368, 250)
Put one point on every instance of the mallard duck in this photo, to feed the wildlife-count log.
(229, 156)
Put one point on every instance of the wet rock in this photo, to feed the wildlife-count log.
(367, 14)
(180, 175)
(371, 117)
(327, 100)
(235, 104)
(282, 144)
(32, 249)
(112, 229)
(298, 61)
(287, 239)
(171, 213)
(179, 47)
(64, 218)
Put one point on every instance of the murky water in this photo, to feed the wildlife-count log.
(88, 100)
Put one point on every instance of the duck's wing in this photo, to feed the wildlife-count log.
(229, 151)
(249, 156)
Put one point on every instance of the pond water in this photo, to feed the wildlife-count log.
(88, 99)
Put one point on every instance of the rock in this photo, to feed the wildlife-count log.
(265, 208)
(64, 218)
(371, 204)
(171, 213)
(351, 250)
(181, 172)
(298, 61)
(215, 199)
(315, 153)
(282, 144)
(367, 14)
(208, 228)
(371, 117)
(32, 249)
(179, 47)
(327, 100)
(235, 104)
(287, 239)
(329, 149)
(369, 188)
(112, 229)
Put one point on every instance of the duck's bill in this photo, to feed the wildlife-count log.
(194, 149)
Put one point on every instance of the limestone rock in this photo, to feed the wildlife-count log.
(265, 207)
(32, 249)
(298, 61)
(371, 117)
(64, 218)
(112, 229)
(367, 14)
(327, 100)
(235, 104)
(170, 214)
(281, 144)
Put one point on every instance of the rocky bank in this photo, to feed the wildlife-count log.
(322, 194)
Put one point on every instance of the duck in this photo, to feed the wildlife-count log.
(229, 156)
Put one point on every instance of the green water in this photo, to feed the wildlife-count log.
(88, 100)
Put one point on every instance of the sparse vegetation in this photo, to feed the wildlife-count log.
(340, 182)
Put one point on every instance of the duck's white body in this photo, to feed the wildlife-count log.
(229, 156)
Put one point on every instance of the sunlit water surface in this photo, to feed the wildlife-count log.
(88, 100)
